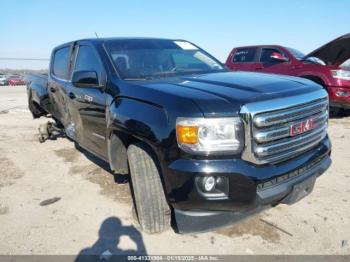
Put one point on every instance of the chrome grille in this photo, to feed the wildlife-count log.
(271, 131)
(269, 124)
(292, 114)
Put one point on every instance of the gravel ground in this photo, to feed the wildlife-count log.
(92, 212)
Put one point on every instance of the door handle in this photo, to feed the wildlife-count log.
(258, 67)
(52, 89)
(71, 95)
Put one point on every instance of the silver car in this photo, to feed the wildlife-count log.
(3, 80)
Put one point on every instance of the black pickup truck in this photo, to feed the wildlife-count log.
(204, 147)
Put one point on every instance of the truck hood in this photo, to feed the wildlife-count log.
(335, 52)
(222, 93)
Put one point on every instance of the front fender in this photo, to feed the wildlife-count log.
(131, 119)
(145, 121)
(310, 74)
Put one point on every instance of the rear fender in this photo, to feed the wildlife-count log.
(36, 102)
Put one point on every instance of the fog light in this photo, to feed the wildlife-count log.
(342, 93)
(212, 187)
(209, 183)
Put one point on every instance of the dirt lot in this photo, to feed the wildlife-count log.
(92, 213)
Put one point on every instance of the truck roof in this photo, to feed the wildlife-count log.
(106, 39)
(247, 46)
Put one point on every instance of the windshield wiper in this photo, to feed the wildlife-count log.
(177, 72)
(137, 78)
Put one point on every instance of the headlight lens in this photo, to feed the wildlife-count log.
(210, 135)
(341, 74)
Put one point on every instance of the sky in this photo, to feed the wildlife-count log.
(31, 28)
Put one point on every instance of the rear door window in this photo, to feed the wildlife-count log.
(244, 55)
(60, 62)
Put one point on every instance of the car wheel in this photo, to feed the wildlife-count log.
(151, 208)
(334, 111)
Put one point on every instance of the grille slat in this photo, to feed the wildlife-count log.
(290, 154)
(272, 141)
(289, 144)
(285, 116)
(275, 133)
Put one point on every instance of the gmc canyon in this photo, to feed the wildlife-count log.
(204, 147)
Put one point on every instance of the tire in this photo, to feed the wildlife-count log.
(151, 208)
(334, 111)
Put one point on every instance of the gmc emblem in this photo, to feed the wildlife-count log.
(301, 127)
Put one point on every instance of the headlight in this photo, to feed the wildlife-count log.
(341, 74)
(210, 135)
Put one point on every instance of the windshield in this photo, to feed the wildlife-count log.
(346, 64)
(314, 60)
(296, 53)
(150, 58)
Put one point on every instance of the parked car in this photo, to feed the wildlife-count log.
(203, 145)
(15, 81)
(328, 65)
(3, 80)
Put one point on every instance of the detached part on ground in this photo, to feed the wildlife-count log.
(49, 130)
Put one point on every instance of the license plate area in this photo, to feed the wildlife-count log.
(300, 190)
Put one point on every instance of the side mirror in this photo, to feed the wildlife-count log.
(278, 57)
(85, 79)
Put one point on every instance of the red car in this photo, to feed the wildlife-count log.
(328, 65)
(15, 81)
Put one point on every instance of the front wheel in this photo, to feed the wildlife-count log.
(334, 111)
(151, 208)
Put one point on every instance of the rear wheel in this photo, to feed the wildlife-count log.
(151, 208)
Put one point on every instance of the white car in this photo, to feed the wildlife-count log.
(3, 80)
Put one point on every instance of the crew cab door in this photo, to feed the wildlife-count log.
(88, 104)
(273, 60)
(57, 82)
(242, 59)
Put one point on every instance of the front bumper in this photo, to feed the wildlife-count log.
(339, 101)
(252, 188)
